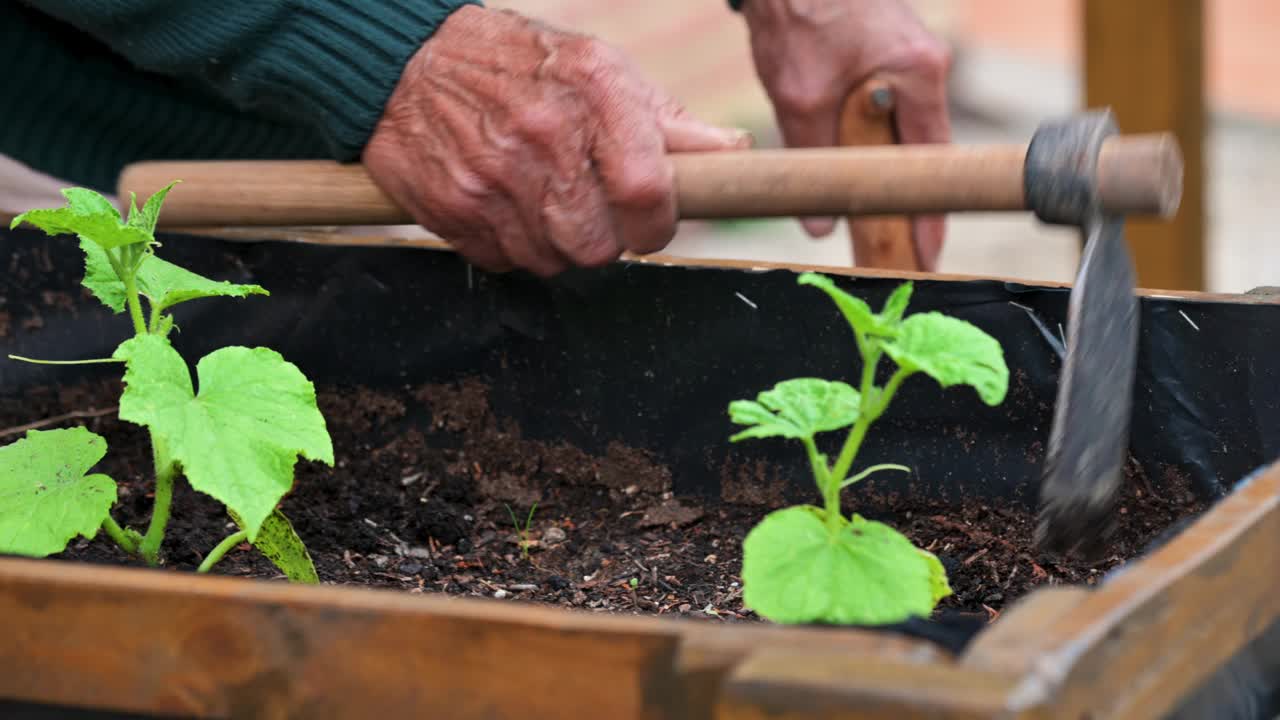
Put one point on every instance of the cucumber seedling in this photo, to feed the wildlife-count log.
(808, 564)
(237, 438)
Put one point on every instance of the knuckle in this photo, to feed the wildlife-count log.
(578, 46)
(539, 121)
(466, 191)
(642, 185)
(596, 64)
(932, 59)
(597, 53)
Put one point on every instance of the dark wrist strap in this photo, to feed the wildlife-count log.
(736, 5)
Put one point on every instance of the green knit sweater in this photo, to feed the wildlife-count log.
(92, 85)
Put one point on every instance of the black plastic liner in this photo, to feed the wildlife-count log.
(651, 355)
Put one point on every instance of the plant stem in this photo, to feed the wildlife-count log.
(873, 469)
(830, 491)
(835, 480)
(128, 277)
(117, 533)
(222, 548)
(870, 409)
(165, 471)
(869, 412)
(870, 360)
(135, 307)
(91, 361)
(156, 312)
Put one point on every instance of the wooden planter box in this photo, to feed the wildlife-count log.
(1188, 626)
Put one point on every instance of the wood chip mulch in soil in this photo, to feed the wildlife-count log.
(427, 480)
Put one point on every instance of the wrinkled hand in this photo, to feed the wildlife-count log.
(810, 54)
(527, 147)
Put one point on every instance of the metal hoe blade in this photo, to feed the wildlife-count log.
(1089, 441)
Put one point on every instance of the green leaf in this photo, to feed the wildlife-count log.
(160, 281)
(46, 499)
(87, 215)
(796, 409)
(238, 440)
(855, 310)
(279, 542)
(146, 218)
(952, 352)
(100, 278)
(795, 571)
(896, 305)
(937, 576)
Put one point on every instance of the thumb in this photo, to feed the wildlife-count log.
(685, 133)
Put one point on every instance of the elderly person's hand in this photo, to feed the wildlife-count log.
(527, 147)
(810, 54)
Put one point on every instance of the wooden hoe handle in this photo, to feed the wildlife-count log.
(868, 119)
(1136, 174)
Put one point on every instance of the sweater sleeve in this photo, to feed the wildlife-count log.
(328, 64)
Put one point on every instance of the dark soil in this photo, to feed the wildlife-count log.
(427, 481)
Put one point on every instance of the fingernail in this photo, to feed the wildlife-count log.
(742, 138)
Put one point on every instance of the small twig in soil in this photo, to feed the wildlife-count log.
(1012, 574)
(1146, 483)
(489, 585)
(992, 613)
(969, 560)
(1036, 570)
(73, 415)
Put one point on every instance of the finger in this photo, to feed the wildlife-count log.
(579, 225)
(922, 117)
(637, 180)
(814, 126)
(930, 231)
(523, 238)
(818, 227)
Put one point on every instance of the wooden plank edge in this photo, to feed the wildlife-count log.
(709, 656)
(800, 684)
(149, 641)
(1151, 633)
(333, 237)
